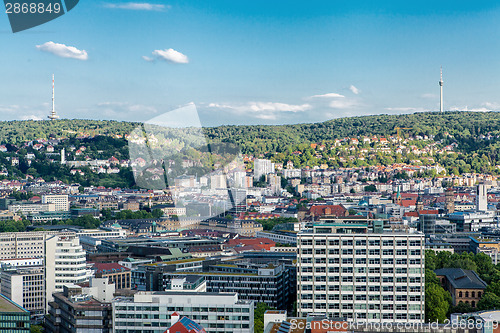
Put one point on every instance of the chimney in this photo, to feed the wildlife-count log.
(174, 318)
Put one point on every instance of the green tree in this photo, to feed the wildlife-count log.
(370, 188)
(437, 303)
(36, 329)
(490, 301)
(259, 311)
(462, 308)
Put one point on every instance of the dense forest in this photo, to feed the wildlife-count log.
(475, 137)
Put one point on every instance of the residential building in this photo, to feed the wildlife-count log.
(346, 271)
(82, 309)
(262, 167)
(184, 325)
(115, 273)
(151, 312)
(65, 264)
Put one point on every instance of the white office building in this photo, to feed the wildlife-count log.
(481, 198)
(20, 245)
(25, 285)
(59, 200)
(151, 311)
(345, 271)
(31, 208)
(65, 264)
(262, 167)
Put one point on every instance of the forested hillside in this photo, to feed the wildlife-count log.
(461, 142)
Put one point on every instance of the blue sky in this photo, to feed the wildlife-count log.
(253, 62)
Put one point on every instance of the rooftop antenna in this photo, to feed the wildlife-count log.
(53, 115)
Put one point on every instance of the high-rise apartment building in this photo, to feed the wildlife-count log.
(65, 264)
(262, 167)
(481, 198)
(346, 271)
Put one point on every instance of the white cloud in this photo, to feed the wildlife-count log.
(491, 105)
(405, 109)
(125, 111)
(485, 107)
(261, 110)
(343, 104)
(262, 107)
(63, 51)
(169, 55)
(138, 6)
(24, 112)
(329, 95)
(31, 117)
(354, 90)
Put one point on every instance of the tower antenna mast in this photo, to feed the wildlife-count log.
(441, 88)
(53, 115)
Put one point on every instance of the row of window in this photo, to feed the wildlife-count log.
(391, 298)
(361, 242)
(412, 289)
(373, 270)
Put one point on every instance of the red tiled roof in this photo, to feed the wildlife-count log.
(428, 211)
(109, 267)
(335, 210)
(261, 243)
(414, 214)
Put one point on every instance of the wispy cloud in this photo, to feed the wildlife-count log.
(429, 96)
(343, 104)
(261, 110)
(405, 109)
(63, 51)
(138, 6)
(124, 110)
(354, 90)
(169, 55)
(24, 112)
(31, 117)
(483, 107)
(491, 105)
(329, 95)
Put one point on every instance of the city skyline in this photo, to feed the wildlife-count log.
(252, 62)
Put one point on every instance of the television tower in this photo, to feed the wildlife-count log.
(53, 115)
(441, 87)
